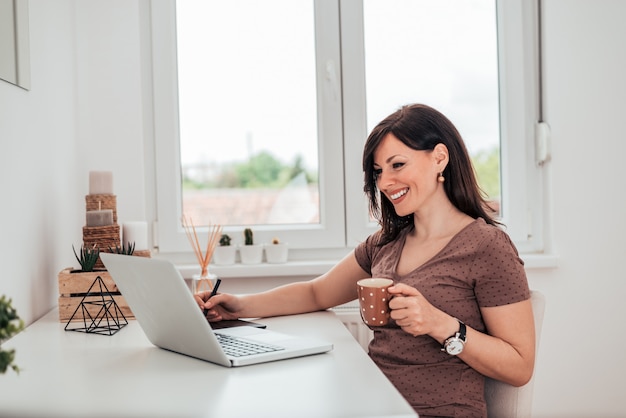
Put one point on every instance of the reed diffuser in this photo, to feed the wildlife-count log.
(204, 280)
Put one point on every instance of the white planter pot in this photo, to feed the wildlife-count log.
(224, 255)
(276, 253)
(251, 254)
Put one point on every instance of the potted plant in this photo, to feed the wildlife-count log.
(10, 324)
(251, 253)
(276, 252)
(224, 253)
(125, 249)
(77, 281)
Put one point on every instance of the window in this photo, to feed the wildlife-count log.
(248, 117)
(300, 95)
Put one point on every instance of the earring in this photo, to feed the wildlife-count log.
(441, 178)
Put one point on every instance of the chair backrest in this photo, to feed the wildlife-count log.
(504, 400)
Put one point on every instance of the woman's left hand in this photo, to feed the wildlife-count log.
(412, 312)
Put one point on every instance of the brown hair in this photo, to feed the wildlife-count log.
(421, 127)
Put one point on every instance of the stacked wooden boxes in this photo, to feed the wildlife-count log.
(101, 231)
(103, 236)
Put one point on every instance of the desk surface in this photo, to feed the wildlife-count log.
(76, 374)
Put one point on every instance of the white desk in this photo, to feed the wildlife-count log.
(73, 374)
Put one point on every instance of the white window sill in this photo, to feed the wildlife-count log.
(290, 268)
(318, 267)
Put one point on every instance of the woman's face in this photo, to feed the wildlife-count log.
(407, 177)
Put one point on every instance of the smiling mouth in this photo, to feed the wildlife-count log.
(399, 194)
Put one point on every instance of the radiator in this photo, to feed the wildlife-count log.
(350, 317)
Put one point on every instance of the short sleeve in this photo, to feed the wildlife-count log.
(364, 252)
(499, 271)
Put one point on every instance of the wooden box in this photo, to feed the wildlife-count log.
(74, 284)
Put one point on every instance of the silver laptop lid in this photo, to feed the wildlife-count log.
(164, 307)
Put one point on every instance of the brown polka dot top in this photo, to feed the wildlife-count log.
(479, 267)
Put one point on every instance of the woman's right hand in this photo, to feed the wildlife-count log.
(222, 306)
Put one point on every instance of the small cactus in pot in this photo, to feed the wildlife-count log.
(250, 253)
(224, 253)
(276, 252)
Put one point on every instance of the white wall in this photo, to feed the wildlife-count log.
(38, 165)
(581, 364)
(89, 109)
(110, 118)
(84, 111)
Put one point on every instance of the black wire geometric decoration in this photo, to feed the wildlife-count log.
(107, 320)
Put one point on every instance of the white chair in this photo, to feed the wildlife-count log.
(504, 400)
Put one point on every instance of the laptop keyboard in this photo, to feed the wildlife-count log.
(238, 347)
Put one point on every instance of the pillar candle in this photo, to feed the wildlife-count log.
(102, 217)
(100, 182)
(136, 232)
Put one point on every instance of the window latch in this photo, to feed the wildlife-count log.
(542, 143)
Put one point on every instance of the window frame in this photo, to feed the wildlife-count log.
(330, 232)
(342, 127)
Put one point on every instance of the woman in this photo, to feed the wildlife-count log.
(460, 306)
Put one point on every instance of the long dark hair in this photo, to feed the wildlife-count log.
(421, 127)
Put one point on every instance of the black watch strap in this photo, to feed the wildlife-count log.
(462, 331)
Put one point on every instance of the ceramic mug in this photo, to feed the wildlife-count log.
(374, 300)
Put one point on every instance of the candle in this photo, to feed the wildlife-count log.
(102, 217)
(136, 232)
(100, 182)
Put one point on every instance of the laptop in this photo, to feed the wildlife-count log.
(167, 312)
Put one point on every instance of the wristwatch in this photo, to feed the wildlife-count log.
(455, 344)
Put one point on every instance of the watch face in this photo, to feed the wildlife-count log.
(454, 347)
